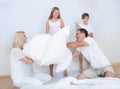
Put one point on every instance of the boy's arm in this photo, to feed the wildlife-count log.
(90, 34)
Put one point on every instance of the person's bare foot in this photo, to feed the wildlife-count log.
(81, 76)
(110, 74)
(51, 75)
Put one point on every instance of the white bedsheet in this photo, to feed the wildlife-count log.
(45, 49)
(73, 83)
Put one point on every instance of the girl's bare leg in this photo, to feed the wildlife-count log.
(51, 70)
(65, 73)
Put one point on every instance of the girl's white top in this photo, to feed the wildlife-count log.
(54, 26)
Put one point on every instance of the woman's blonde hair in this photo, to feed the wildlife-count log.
(18, 41)
(52, 11)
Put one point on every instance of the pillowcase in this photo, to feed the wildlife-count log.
(45, 49)
(56, 46)
(35, 48)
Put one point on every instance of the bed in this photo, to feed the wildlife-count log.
(55, 56)
(58, 82)
(72, 83)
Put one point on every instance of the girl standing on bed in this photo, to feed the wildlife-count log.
(53, 24)
(21, 66)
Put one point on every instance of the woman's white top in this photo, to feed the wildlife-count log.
(54, 26)
(18, 67)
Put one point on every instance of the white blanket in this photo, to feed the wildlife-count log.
(45, 49)
(73, 83)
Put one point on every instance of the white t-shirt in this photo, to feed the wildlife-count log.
(93, 54)
(18, 67)
(54, 26)
(88, 27)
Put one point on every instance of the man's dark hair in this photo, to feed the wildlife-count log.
(82, 30)
(84, 15)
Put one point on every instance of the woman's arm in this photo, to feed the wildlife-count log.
(27, 60)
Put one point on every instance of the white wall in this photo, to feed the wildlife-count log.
(31, 15)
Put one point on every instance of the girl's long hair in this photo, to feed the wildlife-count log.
(52, 11)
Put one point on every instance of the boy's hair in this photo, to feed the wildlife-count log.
(84, 15)
(17, 40)
(52, 11)
(82, 30)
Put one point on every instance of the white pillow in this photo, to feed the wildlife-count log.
(35, 48)
(45, 49)
(56, 47)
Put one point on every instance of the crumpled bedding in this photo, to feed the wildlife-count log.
(73, 83)
(46, 49)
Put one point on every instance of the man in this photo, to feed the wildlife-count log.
(88, 48)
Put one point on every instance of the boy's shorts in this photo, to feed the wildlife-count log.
(92, 73)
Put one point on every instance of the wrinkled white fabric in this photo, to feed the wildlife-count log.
(45, 49)
(73, 83)
(72, 80)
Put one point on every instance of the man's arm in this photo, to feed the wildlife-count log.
(77, 44)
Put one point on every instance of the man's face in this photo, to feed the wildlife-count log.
(79, 36)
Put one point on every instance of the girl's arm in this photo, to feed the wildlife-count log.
(27, 60)
(62, 23)
(47, 27)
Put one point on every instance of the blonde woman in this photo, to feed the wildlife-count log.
(53, 24)
(21, 66)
